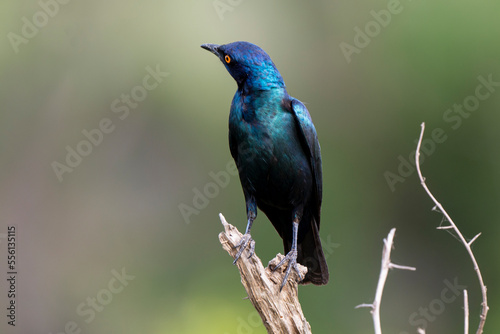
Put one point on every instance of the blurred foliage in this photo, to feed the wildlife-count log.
(120, 206)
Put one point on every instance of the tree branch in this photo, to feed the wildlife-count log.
(280, 311)
(466, 312)
(384, 271)
(452, 225)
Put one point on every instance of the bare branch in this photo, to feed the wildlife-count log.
(397, 266)
(384, 270)
(280, 311)
(474, 239)
(364, 305)
(444, 227)
(466, 313)
(452, 225)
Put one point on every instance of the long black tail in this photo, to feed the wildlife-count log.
(310, 253)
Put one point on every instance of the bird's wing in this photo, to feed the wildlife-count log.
(233, 144)
(310, 139)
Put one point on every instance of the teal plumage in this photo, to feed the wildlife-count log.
(275, 146)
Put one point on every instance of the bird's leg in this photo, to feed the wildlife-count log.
(291, 257)
(251, 215)
(245, 239)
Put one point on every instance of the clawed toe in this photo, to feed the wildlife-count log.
(291, 257)
(243, 244)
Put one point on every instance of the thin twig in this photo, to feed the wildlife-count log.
(384, 270)
(466, 313)
(452, 225)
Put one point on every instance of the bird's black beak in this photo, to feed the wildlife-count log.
(214, 48)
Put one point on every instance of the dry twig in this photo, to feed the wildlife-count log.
(384, 270)
(467, 244)
(466, 313)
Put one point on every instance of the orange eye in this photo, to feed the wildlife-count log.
(227, 59)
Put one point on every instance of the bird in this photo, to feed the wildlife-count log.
(274, 144)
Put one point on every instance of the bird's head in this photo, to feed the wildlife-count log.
(248, 64)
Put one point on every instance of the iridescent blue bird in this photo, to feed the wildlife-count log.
(275, 146)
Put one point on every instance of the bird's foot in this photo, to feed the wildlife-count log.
(245, 240)
(291, 257)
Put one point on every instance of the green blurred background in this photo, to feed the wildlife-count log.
(120, 207)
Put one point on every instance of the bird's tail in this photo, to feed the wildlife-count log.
(310, 254)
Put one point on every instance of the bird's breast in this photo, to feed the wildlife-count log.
(269, 155)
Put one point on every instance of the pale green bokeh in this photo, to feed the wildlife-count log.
(119, 208)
